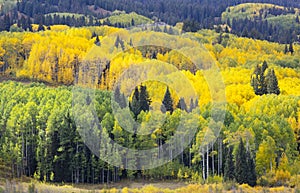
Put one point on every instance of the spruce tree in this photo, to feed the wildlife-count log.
(41, 27)
(134, 105)
(192, 105)
(272, 83)
(181, 104)
(132, 22)
(286, 49)
(264, 84)
(241, 166)
(251, 176)
(119, 97)
(167, 103)
(291, 48)
(117, 42)
(144, 99)
(229, 166)
(97, 41)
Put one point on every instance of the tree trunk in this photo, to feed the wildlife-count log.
(213, 160)
(207, 162)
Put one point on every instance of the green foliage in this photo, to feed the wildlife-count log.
(167, 103)
(229, 166)
(241, 166)
(130, 19)
(260, 10)
(264, 84)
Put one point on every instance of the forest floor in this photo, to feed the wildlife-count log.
(136, 186)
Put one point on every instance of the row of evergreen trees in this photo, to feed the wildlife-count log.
(141, 101)
(261, 29)
(241, 168)
(25, 22)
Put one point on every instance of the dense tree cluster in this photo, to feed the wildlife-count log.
(40, 138)
(261, 29)
(263, 83)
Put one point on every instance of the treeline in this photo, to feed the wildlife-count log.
(25, 23)
(261, 29)
(40, 139)
(196, 14)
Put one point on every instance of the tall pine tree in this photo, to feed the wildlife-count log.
(144, 99)
(241, 166)
(134, 105)
(272, 83)
(251, 176)
(167, 103)
(229, 166)
(181, 104)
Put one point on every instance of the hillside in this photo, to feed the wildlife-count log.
(277, 15)
(195, 14)
(119, 18)
(150, 96)
(97, 57)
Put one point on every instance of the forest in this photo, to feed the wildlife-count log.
(200, 14)
(227, 96)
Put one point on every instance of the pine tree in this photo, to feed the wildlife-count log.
(272, 83)
(171, 31)
(97, 41)
(165, 29)
(130, 42)
(291, 49)
(264, 84)
(286, 49)
(251, 176)
(241, 166)
(134, 105)
(41, 27)
(144, 99)
(192, 105)
(297, 19)
(117, 42)
(229, 166)
(167, 103)
(181, 104)
(132, 22)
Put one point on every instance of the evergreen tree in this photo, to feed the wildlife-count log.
(134, 105)
(28, 24)
(229, 166)
(264, 84)
(251, 176)
(144, 99)
(41, 27)
(97, 41)
(286, 49)
(192, 105)
(165, 29)
(297, 19)
(167, 103)
(130, 42)
(171, 31)
(132, 22)
(291, 48)
(272, 83)
(181, 104)
(117, 42)
(7, 22)
(241, 166)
